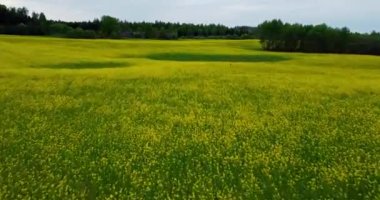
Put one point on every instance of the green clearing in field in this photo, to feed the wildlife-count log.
(136, 119)
(216, 57)
(83, 65)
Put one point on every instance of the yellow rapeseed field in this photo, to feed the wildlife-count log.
(187, 119)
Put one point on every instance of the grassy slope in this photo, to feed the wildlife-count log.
(300, 128)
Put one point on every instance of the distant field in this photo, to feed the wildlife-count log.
(202, 119)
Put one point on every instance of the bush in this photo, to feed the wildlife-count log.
(59, 29)
(80, 33)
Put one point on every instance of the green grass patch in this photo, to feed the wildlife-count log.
(83, 65)
(187, 57)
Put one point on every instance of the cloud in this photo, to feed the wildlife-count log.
(358, 15)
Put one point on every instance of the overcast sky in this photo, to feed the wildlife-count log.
(358, 15)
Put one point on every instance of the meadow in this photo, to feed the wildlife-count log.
(187, 119)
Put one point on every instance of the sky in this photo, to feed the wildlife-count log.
(358, 15)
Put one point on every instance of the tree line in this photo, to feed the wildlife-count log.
(278, 36)
(18, 21)
(274, 35)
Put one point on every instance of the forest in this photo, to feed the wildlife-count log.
(274, 35)
(278, 36)
(17, 21)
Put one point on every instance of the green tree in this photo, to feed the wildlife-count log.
(110, 26)
(271, 33)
